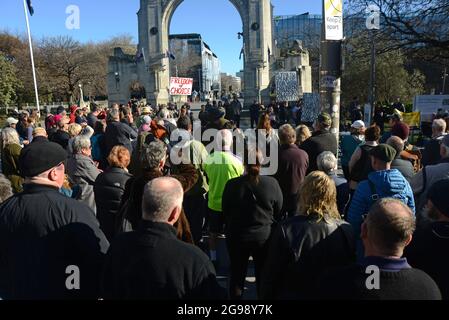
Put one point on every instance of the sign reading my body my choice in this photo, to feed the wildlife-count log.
(181, 86)
(333, 19)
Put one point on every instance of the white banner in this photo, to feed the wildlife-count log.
(181, 86)
(333, 19)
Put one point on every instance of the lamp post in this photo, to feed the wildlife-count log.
(445, 74)
(117, 80)
(372, 81)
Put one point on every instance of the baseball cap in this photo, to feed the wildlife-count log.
(12, 121)
(358, 124)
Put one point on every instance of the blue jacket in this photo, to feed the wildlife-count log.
(389, 184)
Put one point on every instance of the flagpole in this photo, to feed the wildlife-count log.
(31, 55)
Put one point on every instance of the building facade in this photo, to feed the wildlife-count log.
(191, 57)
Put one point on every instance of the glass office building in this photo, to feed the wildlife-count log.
(307, 28)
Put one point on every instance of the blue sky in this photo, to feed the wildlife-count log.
(216, 20)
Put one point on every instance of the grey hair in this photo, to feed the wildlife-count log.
(114, 114)
(164, 113)
(153, 154)
(80, 143)
(287, 135)
(10, 136)
(397, 144)
(439, 124)
(87, 132)
(327, 162)
(5, 188)
(160, 197)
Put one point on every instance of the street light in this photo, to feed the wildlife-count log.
(117, 80)
(445, 74)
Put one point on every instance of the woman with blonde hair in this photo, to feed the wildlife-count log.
(74, 130)
(302, 134)
(11, 149)
(303, 247)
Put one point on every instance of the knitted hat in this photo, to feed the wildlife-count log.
(401, 130)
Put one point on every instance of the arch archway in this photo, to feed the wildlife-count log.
(154, 19)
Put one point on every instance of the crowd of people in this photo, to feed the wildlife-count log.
(131, 198)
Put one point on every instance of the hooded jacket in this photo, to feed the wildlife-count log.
(83, 172)
(388, 184)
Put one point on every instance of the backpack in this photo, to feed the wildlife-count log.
(362, 168)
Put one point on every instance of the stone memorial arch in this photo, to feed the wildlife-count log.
(151, 64)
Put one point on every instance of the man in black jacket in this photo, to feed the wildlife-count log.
(151, 263)
(431, 154)
(51, 246)
(383, 274)
(118, 133)
(321, 140)
(430, 241)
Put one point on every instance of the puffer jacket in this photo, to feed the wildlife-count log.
(388, 184)
(109, 189)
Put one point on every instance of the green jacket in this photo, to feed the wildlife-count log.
(10, 166)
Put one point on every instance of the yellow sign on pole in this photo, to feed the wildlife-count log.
(333, 19)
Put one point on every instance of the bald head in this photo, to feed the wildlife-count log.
(388, 228)
(162, 200)
(397, 144)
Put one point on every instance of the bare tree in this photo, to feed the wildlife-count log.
(418, 27)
